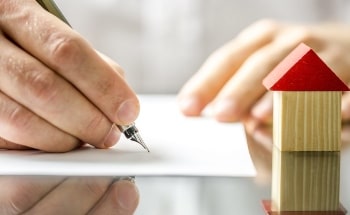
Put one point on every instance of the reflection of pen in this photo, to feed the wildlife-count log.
(130, 131)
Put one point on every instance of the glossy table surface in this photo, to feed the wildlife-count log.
(214, 195)
(206, 195)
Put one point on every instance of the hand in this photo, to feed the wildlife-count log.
(231, 78)
(74, 195)
(56, 91)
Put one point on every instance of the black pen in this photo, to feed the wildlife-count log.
(130, 131)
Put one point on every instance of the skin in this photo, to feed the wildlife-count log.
(56, 91)
(58, 195)
(230, 80)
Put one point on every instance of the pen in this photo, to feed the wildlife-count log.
(130, 131)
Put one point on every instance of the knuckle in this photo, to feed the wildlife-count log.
(303, 34)
(13, 116)
(41, 85)
(64, 49)
(298, 34)
(18, 200)
(20, 118)
(94, 123)
(37, 82)
(93, 188)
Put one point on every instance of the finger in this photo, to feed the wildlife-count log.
(48, 95)
(116, 67)
(262, 109)
(336, 57)
(245, 88)
(222, 65)
(76, 195)
(5, 144)
(18, 124)
(121, 199)
(18, 194)
(345, 107)
(67, 53)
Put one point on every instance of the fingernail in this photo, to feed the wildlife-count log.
(128, 111)
(226, 110)
(128, 195)
(112, 137)
(189, 106)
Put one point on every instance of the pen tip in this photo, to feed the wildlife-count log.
(137, 138)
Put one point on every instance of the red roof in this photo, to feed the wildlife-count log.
(303, 70)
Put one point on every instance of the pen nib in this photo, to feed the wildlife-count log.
(137, 138)
(132, 133)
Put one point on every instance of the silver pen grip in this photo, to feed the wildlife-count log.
(128, 130)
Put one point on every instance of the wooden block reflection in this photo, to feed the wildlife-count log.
(305, 181)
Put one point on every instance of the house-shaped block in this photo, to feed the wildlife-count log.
(307, 103)
(306, 133)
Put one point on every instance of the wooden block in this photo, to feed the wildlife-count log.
(268, 211)
(303, 70)
(305, 181)
(307, 121)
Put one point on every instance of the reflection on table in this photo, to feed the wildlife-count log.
(167, 195)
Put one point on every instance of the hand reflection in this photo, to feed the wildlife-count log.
(67, 195)
(259, 139)
(345, 135)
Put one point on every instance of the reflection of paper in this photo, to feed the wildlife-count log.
(179, 146)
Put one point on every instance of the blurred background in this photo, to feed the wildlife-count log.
(161, 44)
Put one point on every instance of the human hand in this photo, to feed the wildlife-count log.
(73, 195)
(231, 78)
(56, 91)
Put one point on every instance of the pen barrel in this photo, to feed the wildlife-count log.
(51, 7)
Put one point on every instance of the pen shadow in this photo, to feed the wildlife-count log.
(88, 154)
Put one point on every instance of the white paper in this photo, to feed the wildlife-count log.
(179, 145)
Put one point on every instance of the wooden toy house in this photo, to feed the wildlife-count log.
(306, 133)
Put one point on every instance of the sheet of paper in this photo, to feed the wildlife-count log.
(180, 146)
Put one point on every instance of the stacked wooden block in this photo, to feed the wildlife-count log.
(306, 133)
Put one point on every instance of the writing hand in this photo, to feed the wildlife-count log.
(56, 91)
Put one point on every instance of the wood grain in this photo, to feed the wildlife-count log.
(305, 181)
(307, 121)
